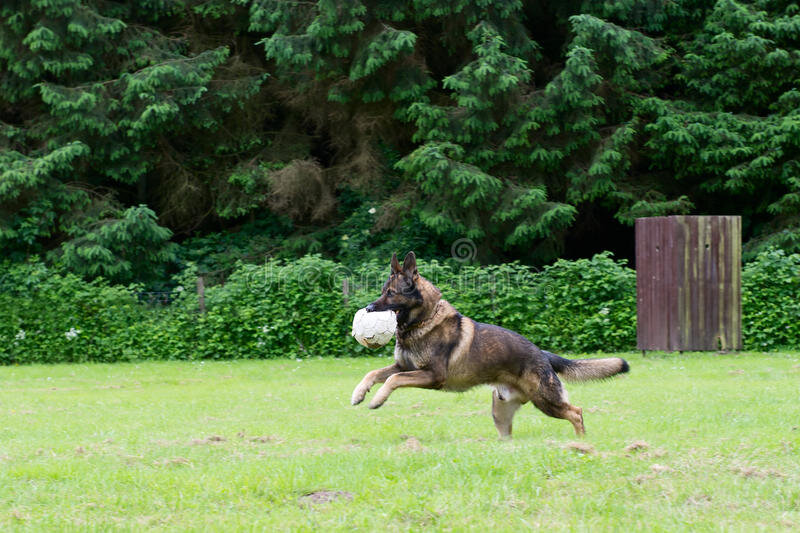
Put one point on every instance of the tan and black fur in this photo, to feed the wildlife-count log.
(438, 348)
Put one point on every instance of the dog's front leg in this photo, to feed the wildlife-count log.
(424, 379)
(376, 376)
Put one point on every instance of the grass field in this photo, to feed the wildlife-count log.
(693, 442)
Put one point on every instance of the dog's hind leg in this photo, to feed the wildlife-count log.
(574, 414)
(551, 398)
(504, 406)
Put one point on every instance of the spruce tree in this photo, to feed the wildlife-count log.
(517, 124)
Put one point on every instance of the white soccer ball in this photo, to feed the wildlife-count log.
(374, 329)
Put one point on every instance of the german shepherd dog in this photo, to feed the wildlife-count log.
(438, 348)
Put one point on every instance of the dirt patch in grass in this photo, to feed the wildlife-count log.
(252, 438)
(759, 473)
(654, 453)
(324, 496)
(213, 439)
(266, 438)
(655, 471)
(411, 444)
(660, 469)
(183, 461)
(698, 500)
(150, 521)
(637, 446)
(579, 447)
(132, 459)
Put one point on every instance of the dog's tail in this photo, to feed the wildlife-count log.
(587, 369)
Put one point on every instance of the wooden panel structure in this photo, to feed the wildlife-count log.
(688, 283)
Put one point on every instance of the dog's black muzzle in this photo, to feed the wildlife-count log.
(377, 305)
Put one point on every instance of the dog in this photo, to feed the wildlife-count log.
(439, 348)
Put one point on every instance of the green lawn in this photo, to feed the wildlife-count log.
(692, 442)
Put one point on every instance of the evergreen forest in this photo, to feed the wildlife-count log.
(139, 137)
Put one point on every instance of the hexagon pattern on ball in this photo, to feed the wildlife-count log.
(375, 329)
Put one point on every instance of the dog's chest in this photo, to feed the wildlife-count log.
(411, 356)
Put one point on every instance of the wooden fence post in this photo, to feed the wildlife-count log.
(688, 282)
(201, 294)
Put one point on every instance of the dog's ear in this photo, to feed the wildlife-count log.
(410, 265)
(395, 264)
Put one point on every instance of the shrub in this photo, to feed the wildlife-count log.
(297, 309)
(48, 317)
(279, 309)
(587, 305)
(771, 301)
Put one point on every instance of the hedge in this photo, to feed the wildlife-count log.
(299, 309)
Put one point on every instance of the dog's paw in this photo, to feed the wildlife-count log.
(358, 395)
(375, 404)
(379, 398)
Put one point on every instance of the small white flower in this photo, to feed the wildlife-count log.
(179, 288)
(72, 333)
(265, 329)
(20, 335)
(372, 211)
(604, 311)
(345, 237)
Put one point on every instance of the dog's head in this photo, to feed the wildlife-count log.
(406, 293)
